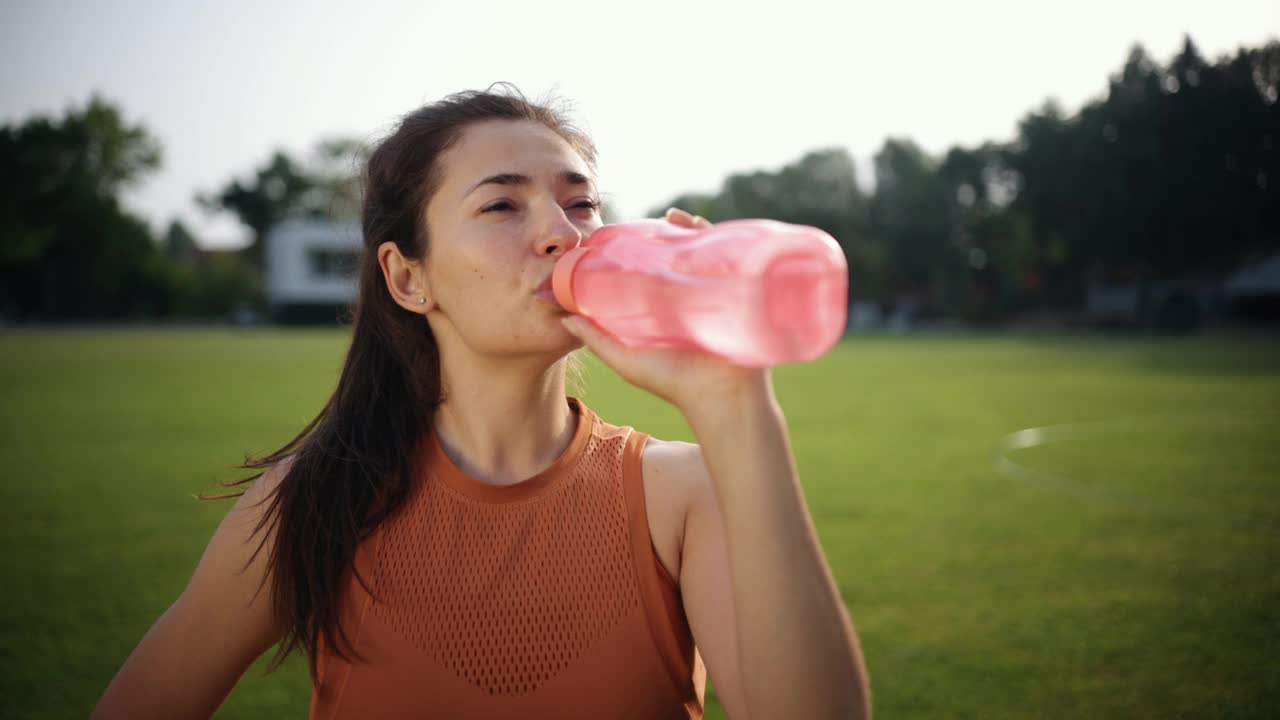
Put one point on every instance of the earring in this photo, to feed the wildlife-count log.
(422, 301)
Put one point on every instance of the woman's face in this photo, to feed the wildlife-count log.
(514, 197)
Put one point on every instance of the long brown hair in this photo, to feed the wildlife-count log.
(348, 471)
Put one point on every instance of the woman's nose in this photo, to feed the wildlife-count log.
(560, 237)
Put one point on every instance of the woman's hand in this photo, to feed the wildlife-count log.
(695, 382)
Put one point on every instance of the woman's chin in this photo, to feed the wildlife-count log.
(558, 342)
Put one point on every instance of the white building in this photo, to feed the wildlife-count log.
(310, 269)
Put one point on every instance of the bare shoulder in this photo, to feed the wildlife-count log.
(240, 546)
(243, 528)
(674, 461)
(254, 501)
(236, 563)
(675, 478)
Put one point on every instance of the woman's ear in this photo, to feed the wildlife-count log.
(406, 279)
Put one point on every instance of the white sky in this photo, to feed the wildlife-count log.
(676, 94)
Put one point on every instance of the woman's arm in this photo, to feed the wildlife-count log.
(797, 651)
(191, 658)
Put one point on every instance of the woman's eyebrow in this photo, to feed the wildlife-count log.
(568, 177)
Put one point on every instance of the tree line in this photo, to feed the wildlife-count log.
(1171, 178)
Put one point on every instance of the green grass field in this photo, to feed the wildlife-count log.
(1130, 569)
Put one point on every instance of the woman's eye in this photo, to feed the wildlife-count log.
(505, 205)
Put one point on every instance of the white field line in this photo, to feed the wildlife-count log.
(1031, 437)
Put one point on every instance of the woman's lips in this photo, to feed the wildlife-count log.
(545, 292)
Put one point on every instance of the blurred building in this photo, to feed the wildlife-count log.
(865, 316)
(1250, 294)
(310, 269)
(1253, 291)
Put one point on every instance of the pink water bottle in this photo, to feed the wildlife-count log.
(756, 292)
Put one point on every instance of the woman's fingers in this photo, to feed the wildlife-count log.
(684, 218)
(603, 345)
(676, 216)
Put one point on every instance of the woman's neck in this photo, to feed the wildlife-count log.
(502, 425)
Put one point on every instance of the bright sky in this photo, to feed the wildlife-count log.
(676, 94)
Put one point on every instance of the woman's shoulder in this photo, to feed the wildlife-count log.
(673, 458)
(676, 469)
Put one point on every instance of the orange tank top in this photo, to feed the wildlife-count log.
(543, 599)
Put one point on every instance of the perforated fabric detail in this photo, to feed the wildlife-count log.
(507, 595)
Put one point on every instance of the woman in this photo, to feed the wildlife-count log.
(453, 536)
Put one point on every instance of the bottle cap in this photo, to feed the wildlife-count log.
(562, 277)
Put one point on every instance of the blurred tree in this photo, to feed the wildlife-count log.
(1253, 81)
(326, 186)
(277, 190)
(820, 189)
(178, 241)
(1165, 179)
(1172, 177)
(987, 246)
(337, 165)
(910, 217)
(67, 247)
(207, 283)
(1049, 189)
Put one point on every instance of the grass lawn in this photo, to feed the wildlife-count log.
(1125, 565)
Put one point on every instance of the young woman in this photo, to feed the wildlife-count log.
(453, 536)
